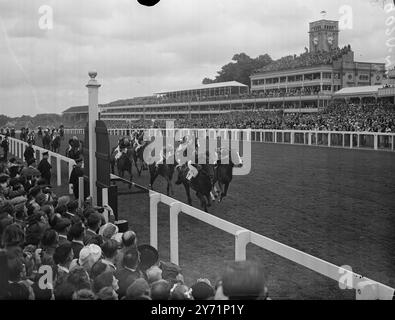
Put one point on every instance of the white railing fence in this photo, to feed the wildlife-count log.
(338, 139)
(18, 147)
(365, 288)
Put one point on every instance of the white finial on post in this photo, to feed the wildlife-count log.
(93, 93)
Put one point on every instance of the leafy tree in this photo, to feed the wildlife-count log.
(240, 69)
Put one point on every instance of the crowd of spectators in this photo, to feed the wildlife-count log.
(306, 59)
(52, 249)
(372, 117)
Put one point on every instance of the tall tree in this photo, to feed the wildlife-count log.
(240, 69)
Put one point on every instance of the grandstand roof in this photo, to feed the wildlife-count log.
(79, 109)
(207, 86)
(354, 91)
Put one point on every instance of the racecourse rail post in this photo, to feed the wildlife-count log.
(154, 201)
(93, 93)
(242, 238)
(175, 209)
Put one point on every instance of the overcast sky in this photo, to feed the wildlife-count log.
(139, 50)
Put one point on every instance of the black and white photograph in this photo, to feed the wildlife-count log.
(216, 152)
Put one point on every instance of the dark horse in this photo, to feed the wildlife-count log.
(55, 144)
(46, 141)
(166, 170)
(201, 184)
(223, 172)
(124, 164)
(138, 157)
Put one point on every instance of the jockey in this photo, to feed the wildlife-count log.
(164, 154)
(73, 143)
(185, 142)
(139, 140)
(123, 144)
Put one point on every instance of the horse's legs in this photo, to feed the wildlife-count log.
(226, 189)
(221, 191)
(153, 177)
(187, 190)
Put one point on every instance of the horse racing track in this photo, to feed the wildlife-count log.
(335, 204)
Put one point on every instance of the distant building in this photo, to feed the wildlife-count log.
(321, 72)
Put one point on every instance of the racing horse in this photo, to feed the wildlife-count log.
(227, 159)
(124, 164)
(164, 169)
(201, 184)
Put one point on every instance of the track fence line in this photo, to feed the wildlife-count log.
(336, 139)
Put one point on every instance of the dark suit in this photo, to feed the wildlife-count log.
(92, 238)
(76, 173)
(76, 248)
(28, 154)
(63, 240)
(126, 277)
(45, 168)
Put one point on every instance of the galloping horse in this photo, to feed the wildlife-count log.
(124, 164)
(164, 169)
(138, 156)
(201, 184)
(227, 160)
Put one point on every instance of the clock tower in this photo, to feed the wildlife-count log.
(324, 35)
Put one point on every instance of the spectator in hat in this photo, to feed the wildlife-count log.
(94, 221)
(128, 272)
(36, 226)
(62, 227)
(202, 290)
(30, 173)
(138, 289)
(5, 144)
(13, 167)
(160, 290)
(76, 173)
(88, 256)
(45, 168)
(29, 151)
(76, 235)
(149, 257)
